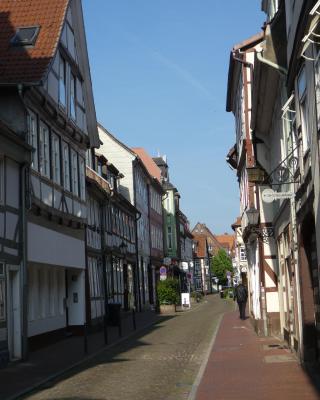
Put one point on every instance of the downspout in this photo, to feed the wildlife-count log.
(24, 246)
(104, 210)
(25, 190)
(278, 67)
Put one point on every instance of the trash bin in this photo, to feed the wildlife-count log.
(221, 294)
(114, 310)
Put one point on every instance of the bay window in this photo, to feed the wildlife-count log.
(55, 156)
(74, 173)
(44, 153)
(66, 166)
(33, 138)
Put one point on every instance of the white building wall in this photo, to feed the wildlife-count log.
(47, 246)
(122, 158)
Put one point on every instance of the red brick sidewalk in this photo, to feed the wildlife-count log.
(242, 366)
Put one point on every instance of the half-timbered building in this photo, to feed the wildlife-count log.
(46, 95)
(15, 158)
(155, 193)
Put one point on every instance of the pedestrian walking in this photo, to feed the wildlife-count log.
(241, 295)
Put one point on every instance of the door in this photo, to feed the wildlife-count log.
(14, 310)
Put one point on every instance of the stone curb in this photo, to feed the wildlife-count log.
(194, 389)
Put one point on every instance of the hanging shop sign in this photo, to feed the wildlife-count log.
(269, 195)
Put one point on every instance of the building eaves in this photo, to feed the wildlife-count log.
(106, 132)
(234, 65)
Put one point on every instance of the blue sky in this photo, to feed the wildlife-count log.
(159, 71)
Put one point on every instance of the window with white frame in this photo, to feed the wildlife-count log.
(55, 157)
(74, 172)
(44, 150)
(302, 92)
(2, 292)
(33, 137)
(66, 165)
(243, 254)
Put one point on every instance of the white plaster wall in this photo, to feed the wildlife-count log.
(254, 278)
(122, 159)
(46, 246)
(272, 302)
(269, 281)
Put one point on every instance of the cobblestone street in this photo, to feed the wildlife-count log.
(160, 364)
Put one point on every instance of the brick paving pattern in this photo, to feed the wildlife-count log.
(243, 366)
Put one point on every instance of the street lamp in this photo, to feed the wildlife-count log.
(253, 218)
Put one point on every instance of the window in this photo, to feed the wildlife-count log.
(25, 36)
(2, 293)
(1, 180)
(302, 91)
(44, 151)
(82, 174)
(66, 166)
(72, 110)
(243, 255)
(89, 158)
(62, 82)
(74, 173)
(70, 41)
(33, 138)
(55, 156)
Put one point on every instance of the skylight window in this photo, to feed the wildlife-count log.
(26, 36)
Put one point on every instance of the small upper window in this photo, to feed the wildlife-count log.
(26, 36)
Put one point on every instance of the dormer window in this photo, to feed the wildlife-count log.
(26, 36)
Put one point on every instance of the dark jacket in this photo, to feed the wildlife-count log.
(241, 293)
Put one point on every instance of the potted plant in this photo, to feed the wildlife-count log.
(168, 295)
